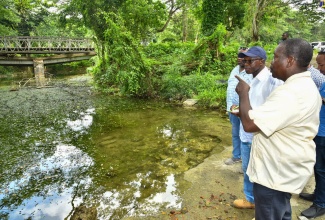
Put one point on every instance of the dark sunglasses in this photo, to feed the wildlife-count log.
(250, 61)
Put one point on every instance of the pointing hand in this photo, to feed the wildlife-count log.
(242, 86)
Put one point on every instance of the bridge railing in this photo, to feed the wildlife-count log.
(28, 44)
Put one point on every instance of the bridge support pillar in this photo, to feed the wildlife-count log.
(39, 73)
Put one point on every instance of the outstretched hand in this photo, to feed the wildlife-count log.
(242, 86)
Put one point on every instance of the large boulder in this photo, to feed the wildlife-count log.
(190, 102)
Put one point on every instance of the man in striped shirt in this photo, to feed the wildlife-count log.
(232, 100)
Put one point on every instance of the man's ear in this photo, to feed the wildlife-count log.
(290, 61)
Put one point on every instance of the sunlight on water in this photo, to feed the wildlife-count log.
(84, 122)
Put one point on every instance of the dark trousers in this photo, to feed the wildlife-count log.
(271, 204)
(319, 171)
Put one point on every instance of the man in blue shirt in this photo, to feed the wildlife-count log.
(318, 197)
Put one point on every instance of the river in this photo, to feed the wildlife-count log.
(66, 145)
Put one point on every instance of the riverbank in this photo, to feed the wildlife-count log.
(214, 187)
(213, 177)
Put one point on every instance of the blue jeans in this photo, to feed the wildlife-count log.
(235, 122)
(248, 185)
(319, 170)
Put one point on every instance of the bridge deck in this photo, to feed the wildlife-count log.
(44, 45)
(54, 59)
(38, 50)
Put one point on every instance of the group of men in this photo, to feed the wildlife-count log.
(279, 131)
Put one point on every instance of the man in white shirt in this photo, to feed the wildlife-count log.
(283, 151)
(260, 88)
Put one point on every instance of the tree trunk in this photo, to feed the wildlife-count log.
(258, 13)
(255, 29)
(173, 8)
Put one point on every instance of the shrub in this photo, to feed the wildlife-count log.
(208, 88)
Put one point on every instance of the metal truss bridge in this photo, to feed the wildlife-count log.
(18, 50)
(44, 45)
(40, 51)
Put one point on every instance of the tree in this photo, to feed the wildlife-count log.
(260, 12)
(293, 15)
(184, 27)
(8, 17)
(228, 13)
(91, 13)
(311, 10)
(31, 13)
(173, 7)
(119, 28)
(142, 17)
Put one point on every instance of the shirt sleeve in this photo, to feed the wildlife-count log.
(317, 77)
(232, 82)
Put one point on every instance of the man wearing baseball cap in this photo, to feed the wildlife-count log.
(260, 88)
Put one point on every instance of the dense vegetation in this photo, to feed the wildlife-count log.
(170, 49)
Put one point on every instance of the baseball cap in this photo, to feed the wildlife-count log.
(255, 51)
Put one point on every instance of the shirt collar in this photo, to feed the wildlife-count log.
(264, 74)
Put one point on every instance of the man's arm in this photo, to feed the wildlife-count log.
(244, 106)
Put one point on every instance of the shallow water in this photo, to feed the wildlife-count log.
(65, 146)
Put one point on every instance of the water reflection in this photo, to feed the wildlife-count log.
(122, 157)
(55, 199)
(167, 197)
(85, 121)
(111, 200)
